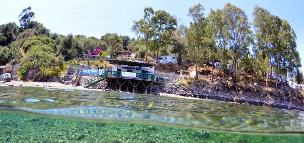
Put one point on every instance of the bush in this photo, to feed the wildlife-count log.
(41, 58)
(4, 55)
(38, 41)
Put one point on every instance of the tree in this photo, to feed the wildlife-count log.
(65, 48)
(286, 57)
(114, 43)
(238, 33)
(194, 35)
(8, 33)
(25, 17)
(216, 21)
(277, 41)
(144, 27)
(178, 47)
(164, 25)
(137, 47)
(262, 24)
(37, 28)
(299, 77)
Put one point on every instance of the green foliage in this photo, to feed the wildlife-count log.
(144, 28)
(299, 77)
(224, 35)
(104, 54)
(114, 43)
(138, 48)
(38, 41)
(277, 41)
(15, 53)
(245, 82)
(10, 54)
(196, 31)
(37, 28)
(179, 46)
(4, 55)
(68, 47)
(164, 25)
(8, 33)
(41, 57)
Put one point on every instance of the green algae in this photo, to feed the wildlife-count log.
(26, 128)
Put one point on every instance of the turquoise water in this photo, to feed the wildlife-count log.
(30, 114)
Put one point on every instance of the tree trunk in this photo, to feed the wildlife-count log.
(277, 75)
(224, 57)
(111, 52)
(196, 75)
(146, 49)
(235, 62)
(286, 77)
(157, 54)
(212, 67)
(267, 75)
(277, 80)
(271, 72)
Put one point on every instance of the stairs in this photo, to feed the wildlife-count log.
(94, 80)
(21, 49)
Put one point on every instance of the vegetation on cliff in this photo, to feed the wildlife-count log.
(225, 35)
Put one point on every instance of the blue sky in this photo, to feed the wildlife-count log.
(98, 17)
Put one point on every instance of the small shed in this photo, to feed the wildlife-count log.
(126, 55)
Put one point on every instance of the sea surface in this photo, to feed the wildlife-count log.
(35, 114)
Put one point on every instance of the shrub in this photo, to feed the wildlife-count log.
(38, 41)
(96, 51)
(41, 58)
(4, 55)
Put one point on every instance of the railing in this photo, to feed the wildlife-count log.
(113, 73)
(138, 75)
(160, 79)
(145, 76)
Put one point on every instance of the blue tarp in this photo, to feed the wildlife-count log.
(89, 71)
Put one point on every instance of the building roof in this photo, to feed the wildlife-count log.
(119, 62)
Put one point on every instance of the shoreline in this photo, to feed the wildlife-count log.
(208, 95)
(56, 85)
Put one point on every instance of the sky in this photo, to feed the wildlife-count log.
(98, 17)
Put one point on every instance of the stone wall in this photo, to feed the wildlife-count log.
(171, 77)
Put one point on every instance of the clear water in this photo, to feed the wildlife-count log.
(30, 114)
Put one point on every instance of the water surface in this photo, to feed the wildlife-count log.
(38, 114)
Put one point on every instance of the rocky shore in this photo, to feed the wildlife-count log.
(236, 97)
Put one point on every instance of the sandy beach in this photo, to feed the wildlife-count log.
(43, 84)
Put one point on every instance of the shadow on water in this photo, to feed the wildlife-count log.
(110, 108)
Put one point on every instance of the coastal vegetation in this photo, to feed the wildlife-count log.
(257, 48)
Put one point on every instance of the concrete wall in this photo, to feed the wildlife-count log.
(171, 77)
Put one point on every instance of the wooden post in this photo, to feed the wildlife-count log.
(116, 84)
(133, 86)
(151, 86)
